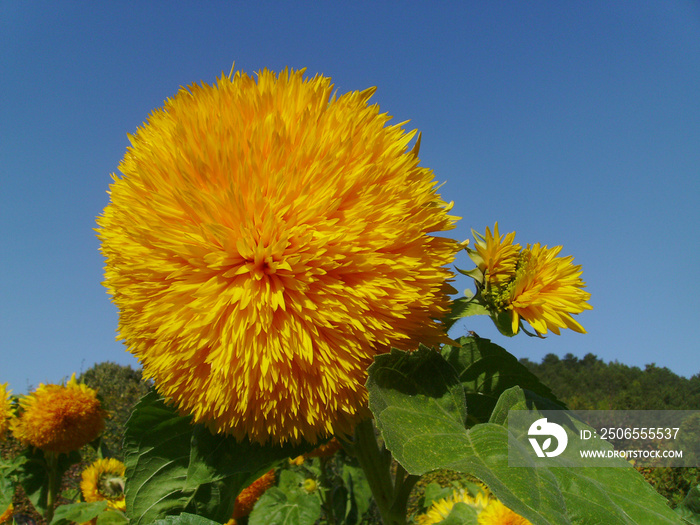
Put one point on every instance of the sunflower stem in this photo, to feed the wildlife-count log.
(403, 484)
(54, 484)
(376, 463)
(326, 493)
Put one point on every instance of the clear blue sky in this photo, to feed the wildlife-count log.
(573, 123)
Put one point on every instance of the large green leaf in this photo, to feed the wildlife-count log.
(156, 456)
(421, 427)
(78, 512)
(418, 383)
(486, 371)
(174, 466)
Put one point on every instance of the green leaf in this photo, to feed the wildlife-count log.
(291, 482)
(174, 466)
(219, 458)
(71, 494)
(687, 515)
(185, 519)
(474, 273)
(7, 492)
(77, 512)
(426, 435)
(344, 507)
(359, 493)
(418, 383)
(486, 371)
(33, 474)
(286, 505)
(434, 492)
(692, 499)
(156, 456)
(112, 517)
(8, 467)
(689, 509)
(463, 307)
(503, 322)
(461, 514)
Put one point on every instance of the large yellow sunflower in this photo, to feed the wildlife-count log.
(58, 418)
(6, 414)
(531, 284)
(104, 480)
(265, 240)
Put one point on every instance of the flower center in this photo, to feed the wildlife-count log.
(500, 296)
(111, 486)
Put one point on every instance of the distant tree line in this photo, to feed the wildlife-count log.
(591, 384)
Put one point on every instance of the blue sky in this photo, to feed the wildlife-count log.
(571, 123)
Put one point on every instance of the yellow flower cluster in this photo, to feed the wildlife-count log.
(531, 284)
(58, 418)
(489, 511)
(266, 239)
(6, 414)
(104, 480)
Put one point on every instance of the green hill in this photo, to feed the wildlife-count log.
(591, 384)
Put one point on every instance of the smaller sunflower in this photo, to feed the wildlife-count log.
(104, 480)
(58, 418)
(546, 290)
(6, 414)
(249, 496)
(531, 284)
(496, 513)
(310, 485)
(441, 509)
